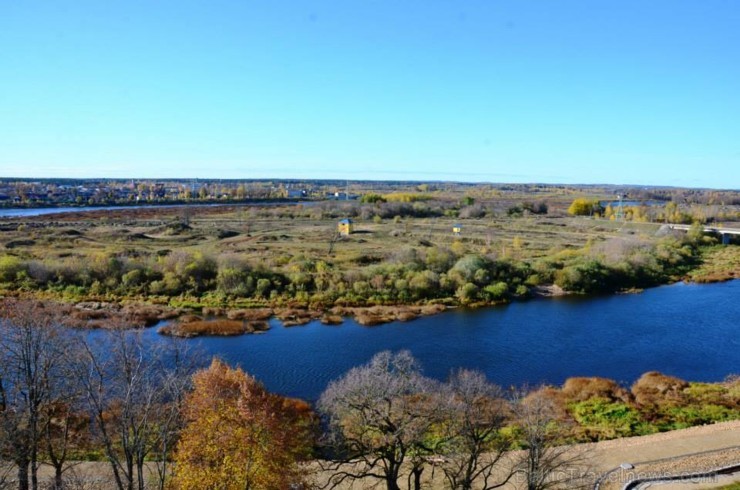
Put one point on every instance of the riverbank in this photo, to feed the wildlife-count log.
(192, 322)
(672, 329)
(195, 320)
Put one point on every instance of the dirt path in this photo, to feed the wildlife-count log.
(648, 455)
(658, 454)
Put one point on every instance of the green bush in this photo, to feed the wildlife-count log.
(10, 267)
(234, 282)
(497, 291)
(585, 277)
(682, 417)
(603, 419)
(467, 293)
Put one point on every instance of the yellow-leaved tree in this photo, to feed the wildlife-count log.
(585, 207)
(238, 435)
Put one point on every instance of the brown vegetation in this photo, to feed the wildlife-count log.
(255, 314)
(328, 319)
(580, 389)
(654, 387)
(377, 315)
(292, 317)
(206, 327)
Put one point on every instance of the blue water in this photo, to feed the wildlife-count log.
(690, 331)
(23, 212)
(616, 204)
(29, 212)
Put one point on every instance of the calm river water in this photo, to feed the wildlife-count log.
(30, 212)
(686, 330)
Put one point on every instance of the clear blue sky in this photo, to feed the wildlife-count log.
(607, 91)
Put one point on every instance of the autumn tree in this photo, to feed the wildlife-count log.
(237, 435)
(585, 207)
(380, 415)
(546, 461)
(32, 350)
(66, 429)
(473, 447)
(133, 392)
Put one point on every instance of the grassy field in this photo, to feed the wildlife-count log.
(266, 237)
(403, 251)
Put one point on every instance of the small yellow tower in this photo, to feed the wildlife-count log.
(345, 227)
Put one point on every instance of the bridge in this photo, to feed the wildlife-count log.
(725, 233)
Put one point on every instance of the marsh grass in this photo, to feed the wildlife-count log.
(206, 327)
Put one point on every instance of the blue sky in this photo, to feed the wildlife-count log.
(644, 92)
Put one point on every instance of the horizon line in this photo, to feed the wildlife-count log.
(400, 181)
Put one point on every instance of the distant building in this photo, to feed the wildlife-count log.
(296, 193)
(456, 229)
(345, 226)
(341, 196)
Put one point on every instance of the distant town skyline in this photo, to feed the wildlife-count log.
(620, 92)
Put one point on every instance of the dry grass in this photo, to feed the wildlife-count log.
(329, 319)
(292, 317)
(99, 314)
(267, 238)
(206, 327)
(377, 315)
(654, 387)
(148, 315)
(256, 314)
(580, 388)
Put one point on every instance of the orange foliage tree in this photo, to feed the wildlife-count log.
(238, 435)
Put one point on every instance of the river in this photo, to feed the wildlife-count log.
(30, 212)
(686, 330)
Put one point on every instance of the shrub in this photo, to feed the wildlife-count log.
(10, 267)
(580, 389)
(585, 277)
(465, 269)
(234, 281)
(467, 293)
(603, 419)
(439, 259)
(496, 291)
(654, 388)
(682, 417)
(372, 198)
